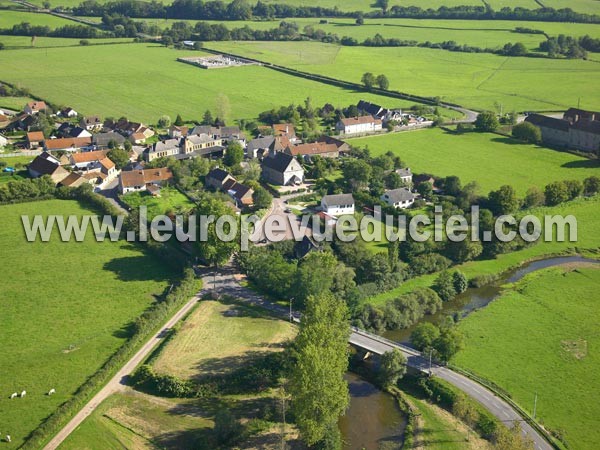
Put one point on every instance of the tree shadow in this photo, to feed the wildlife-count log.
(510, 141)
(136, 268)
(582, 164)
(125, 332)
(198, 438)
(226, 365)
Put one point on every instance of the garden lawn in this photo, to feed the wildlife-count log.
(66, 308)
(106, 82)
(473, 80)
(170, 201)
(218, 338)
(587, 212)
(542, 337)
(489, 159)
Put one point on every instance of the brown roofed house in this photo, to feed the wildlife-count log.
(35, 139)
(314, 149)
(138, 180)
(68, 144)
(35, 107)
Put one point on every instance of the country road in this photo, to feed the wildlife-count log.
(227, 283)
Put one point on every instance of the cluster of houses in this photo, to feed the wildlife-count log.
(578, 129)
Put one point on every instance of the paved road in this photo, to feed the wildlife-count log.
(225, 283)
(117, 382)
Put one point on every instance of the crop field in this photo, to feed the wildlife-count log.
(64, 318)
(479, 81)
(106, 82)
(585, 210)
(541, 336)
(170, 201)
(236, 334)
(8, 18)
(489, 159)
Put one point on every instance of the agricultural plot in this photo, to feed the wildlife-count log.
(486, 158)
(67, 308)
(8, 18)
(480, 81)
(106, 82)
(25, 42)
(14, 103)
(540, 337)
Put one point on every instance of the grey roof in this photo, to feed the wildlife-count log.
(260, 143)
(588, 126)
(338, 199)
(202, 138)
(571, 113)
(218, 174)
(102, 139)
(399, 195)
(169, 144)
(548, 122)
(370, 108)
(201, 129)
(43, 165)
(279, 161)
(404, 172)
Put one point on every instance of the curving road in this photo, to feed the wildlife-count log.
(226, 283)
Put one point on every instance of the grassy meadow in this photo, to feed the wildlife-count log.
(66, 309)
(489, 159)
(24, 42)
(215, 338)
(479, 81)
(8, 18)
(14, 103)
(218, 338)
(542, 336)
(106, 81)
(587, 213)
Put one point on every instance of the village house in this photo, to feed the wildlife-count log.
(282, 169)
(286, 130)
(342, 146)
(225, 134)
(35, 107)
(386, 115)
(399, 198)
(4, 120)
(68, 144)
(95, 161)
(256, 148)
(91, 123)
(68, 113)
(222, 180)
(46, 164)
(142, 180)
(337, 204)
(35, 139)
(137, 138)
(202, 144)
(162, 149)
(217, 178)
(102, 141)
(314, 149)
(578, 129)
(357, 125)
(178, 132)
(405, 175)
(67, 130)
(74, 180)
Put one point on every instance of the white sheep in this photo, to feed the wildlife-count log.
(52, 391)
(14, 394)
(23, 394)
(8, 438)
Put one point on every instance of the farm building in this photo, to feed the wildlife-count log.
(141, 180)
(578, 129)
(282, 169)
(398, 198)
(357, 125)
(337, 205)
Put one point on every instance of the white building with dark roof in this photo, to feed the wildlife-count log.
(399, 198)
(338, 204)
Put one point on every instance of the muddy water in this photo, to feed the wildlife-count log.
(373, 420)
(475, 298)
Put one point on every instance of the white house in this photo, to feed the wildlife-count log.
(142, 180)
(355, 125)
(399, 198)
(338, 205)
(282, 169)
(405, 175)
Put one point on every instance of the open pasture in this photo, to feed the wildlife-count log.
(106, 81)
(8, 18)
(479, 81)
(490, 160)
(66, 307)
(541, 336)
(24, 42)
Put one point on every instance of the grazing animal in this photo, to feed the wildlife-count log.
(8, 438)
(14, 394)
(52, 391)
(23, 394)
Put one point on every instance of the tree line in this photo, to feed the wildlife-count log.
(243, 10)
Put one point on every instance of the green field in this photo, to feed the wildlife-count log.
(106, 81)
(170, 201)
(24, 42)
(212, 340)
(14, 103)
(587, 212)
(9, 18)
(235, 334)
(541, 337)
(480, 81)
(489, 159)
(66, 309)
